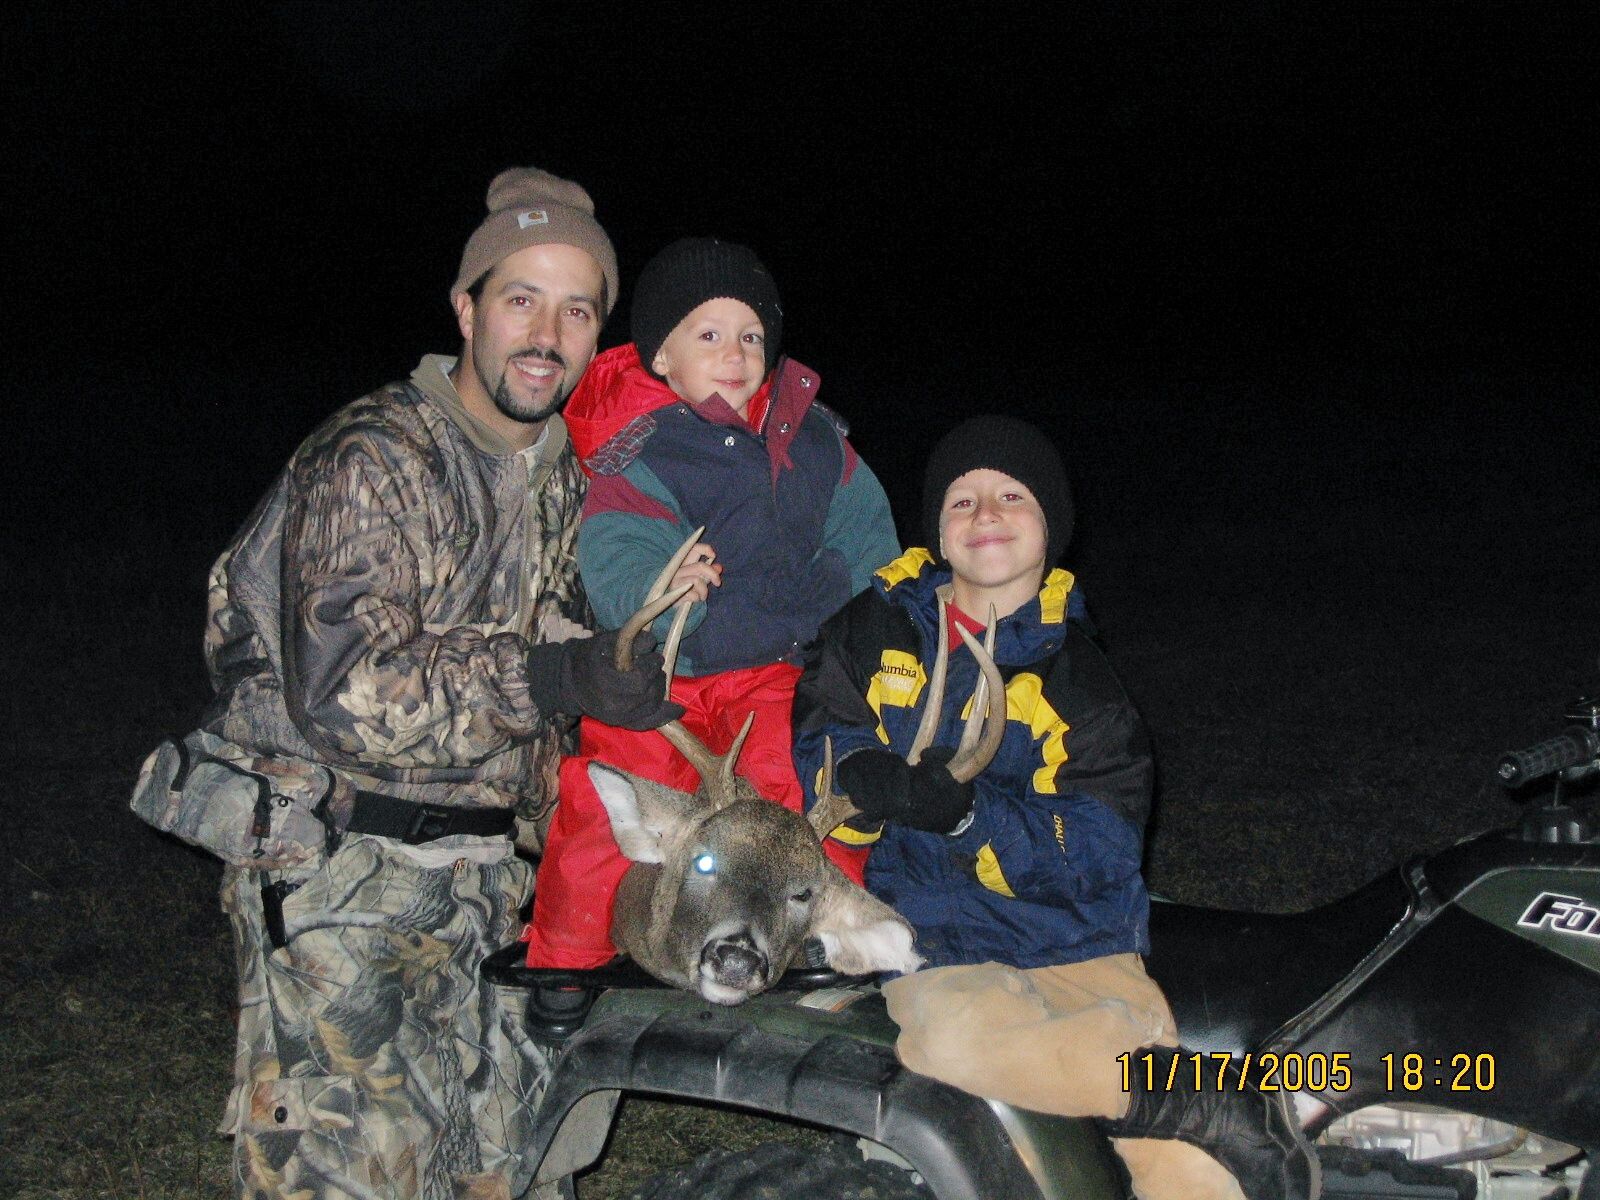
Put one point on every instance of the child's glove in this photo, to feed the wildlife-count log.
(581, 676)
(926, 796)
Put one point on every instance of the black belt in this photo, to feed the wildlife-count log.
(411, 823)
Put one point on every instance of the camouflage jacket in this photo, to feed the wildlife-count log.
(374, 613)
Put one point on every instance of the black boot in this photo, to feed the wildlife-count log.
(1253, 1134)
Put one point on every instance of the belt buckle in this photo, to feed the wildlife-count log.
(429, 822)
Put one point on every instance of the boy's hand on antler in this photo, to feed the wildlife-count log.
(700, 570)
(886, 788)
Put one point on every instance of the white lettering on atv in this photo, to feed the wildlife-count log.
(1562, 914)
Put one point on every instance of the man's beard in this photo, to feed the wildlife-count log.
(521, 411)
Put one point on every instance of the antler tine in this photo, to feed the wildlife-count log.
(728, 762)
(656, 601)
(935, 692)
(706, 764)
(970, 760)
(659, 587)
(630, 630)
(716, 771)
(980, 695)
(832, 808)
(669, 653)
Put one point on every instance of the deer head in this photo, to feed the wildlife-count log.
(726, 885)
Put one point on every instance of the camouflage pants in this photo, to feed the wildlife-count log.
(372, 1061)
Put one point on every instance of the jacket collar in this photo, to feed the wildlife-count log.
(613, 391)
(616, 389)
(432, 378)
(794, 391)
(913, 580)
(716, 411)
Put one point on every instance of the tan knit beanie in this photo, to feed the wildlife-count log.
(530, 207)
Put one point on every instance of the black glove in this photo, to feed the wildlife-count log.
(581, 676)
(925, 796)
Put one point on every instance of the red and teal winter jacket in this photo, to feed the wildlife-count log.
(1048, 870)
(798, 521)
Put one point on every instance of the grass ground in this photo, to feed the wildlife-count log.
(1330, 642)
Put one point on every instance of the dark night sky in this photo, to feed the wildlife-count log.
(230, 224)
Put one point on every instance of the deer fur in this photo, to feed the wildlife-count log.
(723, 892)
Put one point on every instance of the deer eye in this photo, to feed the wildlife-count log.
(705, 864)
(801, 896)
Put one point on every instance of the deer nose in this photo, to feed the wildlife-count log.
(734, 961)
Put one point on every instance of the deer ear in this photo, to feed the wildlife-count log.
(635, 839)
(646, 817)
(860, 933)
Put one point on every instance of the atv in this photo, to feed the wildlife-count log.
(1417, 1071)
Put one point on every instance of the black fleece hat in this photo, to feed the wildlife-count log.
(687, 273)
(1015, 448)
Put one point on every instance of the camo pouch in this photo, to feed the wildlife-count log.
(262, 812)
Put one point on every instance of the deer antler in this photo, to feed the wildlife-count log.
(656, 601)
(715, 770)
(832, 808)
(935, 693)
(975, 752)
(980, 737)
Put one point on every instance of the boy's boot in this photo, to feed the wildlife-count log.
(1253, 1134)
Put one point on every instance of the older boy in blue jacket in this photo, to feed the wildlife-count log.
(1023, 884)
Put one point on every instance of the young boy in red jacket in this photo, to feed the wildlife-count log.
(701, 423)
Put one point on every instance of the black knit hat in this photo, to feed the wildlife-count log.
(1012, 447)
(684, 275)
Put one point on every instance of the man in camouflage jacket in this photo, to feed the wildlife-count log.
(401, 621)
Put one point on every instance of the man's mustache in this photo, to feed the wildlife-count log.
(550, 356)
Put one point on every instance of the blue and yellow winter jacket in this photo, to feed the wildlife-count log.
(1048, 870)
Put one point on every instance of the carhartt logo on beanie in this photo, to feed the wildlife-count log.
(1013, 447)
(530, 207)
(684, 275)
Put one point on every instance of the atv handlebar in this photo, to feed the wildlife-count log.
(1573, 748)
